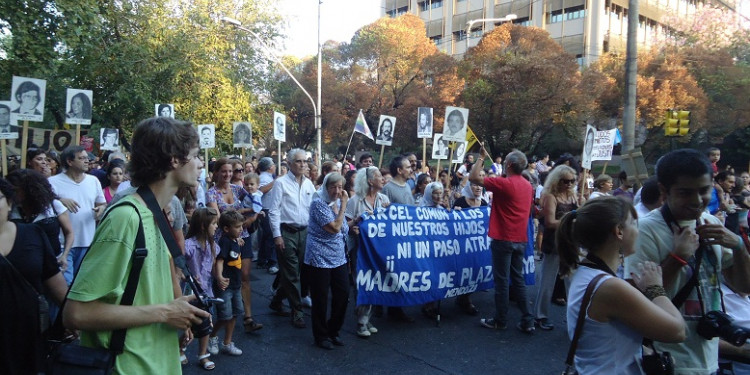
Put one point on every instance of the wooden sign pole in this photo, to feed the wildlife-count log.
(4, 146)
(24, 143)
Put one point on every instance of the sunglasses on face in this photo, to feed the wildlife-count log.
(239, 170)
(569, 182)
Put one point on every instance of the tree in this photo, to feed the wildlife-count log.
(520, 83)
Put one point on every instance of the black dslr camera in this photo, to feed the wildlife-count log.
(203, 302)
(719, 324)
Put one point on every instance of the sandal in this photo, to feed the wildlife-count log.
(206, 363)
(251, 325)
(183, 358)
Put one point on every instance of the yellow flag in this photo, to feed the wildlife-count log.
(471, 138)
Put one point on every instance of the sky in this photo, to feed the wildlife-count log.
(339, 19)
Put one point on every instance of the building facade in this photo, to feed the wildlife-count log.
(585, 28)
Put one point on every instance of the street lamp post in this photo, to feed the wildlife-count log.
(238, 25)
(509, 17)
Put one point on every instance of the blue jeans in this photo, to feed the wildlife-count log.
(507, 269)
(75, 257)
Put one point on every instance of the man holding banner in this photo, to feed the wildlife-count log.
(509, 218)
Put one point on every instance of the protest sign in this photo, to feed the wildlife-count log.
(412, 255)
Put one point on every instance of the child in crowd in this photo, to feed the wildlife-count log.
(252, 201)
(228, 282)
(200, 251)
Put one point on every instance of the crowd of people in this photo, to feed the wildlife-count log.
(64, 224)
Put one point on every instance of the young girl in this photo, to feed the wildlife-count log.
(200, 251)
(228, 282)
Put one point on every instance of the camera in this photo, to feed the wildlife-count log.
(719, 324)
(203, 302)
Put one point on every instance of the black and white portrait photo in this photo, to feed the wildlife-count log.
(28, 94)
(588, 146)
(439, 147)
(78, 107)
(385, 130)
(109, 139)
(454, 128)
(424, 122)
(242, 135)
(279, 127)
(206, 134)
(8, 128)
(458, 154)
(164, 110)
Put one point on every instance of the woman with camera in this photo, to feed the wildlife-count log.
(618, 315)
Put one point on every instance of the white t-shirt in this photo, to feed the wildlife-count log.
(87, 193)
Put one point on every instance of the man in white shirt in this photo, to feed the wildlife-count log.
(289, 212)
(82, 195)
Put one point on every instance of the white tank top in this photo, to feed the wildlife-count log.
(603, 348)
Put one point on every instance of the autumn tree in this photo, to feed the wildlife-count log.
(520, 83)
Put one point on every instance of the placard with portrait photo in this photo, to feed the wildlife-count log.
(8, 127)
(242, 134)
(385, 130)
(424, 122)
(279, 127)
(164, 110)
(459, 152)
(78, 106)
(454, 128)
(440, 148)
(27, 95)
(207, 136)
(109, 139)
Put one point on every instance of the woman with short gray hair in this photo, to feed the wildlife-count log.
(367, 199)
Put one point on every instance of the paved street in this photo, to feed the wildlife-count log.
(459, 346)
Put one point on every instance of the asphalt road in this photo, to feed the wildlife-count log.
(458, 346)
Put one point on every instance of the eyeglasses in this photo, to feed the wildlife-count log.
(569, 182)
(239, 170)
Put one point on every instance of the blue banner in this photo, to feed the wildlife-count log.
(412, 255)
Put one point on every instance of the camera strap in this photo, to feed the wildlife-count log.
(166, 230)
(694, 263)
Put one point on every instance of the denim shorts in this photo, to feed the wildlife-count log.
(232, 306)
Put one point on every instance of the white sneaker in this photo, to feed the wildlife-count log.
(306, 301)
(273, 270)
(371, 328)
(230, 349)
(213, 345)
(362, 330)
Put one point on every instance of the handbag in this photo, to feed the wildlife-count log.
(70, 358)
(569, 365)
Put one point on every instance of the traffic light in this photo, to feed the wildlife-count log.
(676, 123)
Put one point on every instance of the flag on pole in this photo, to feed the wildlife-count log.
(471, 138)
(361, 126)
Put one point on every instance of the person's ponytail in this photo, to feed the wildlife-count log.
(567, 246)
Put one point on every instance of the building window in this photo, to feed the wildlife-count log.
(579, 60)
(459, 35)
(438, 40)
(566, 14)
(525, 21)
(426, 5)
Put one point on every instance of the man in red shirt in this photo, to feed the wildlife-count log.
(511, 206)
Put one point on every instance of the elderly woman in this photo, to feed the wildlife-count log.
(27, 269)
(224, 196)
(325, 257)
(558, 198)
(602, 186)
(472, 196)
(368, 199)
(433, 197)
